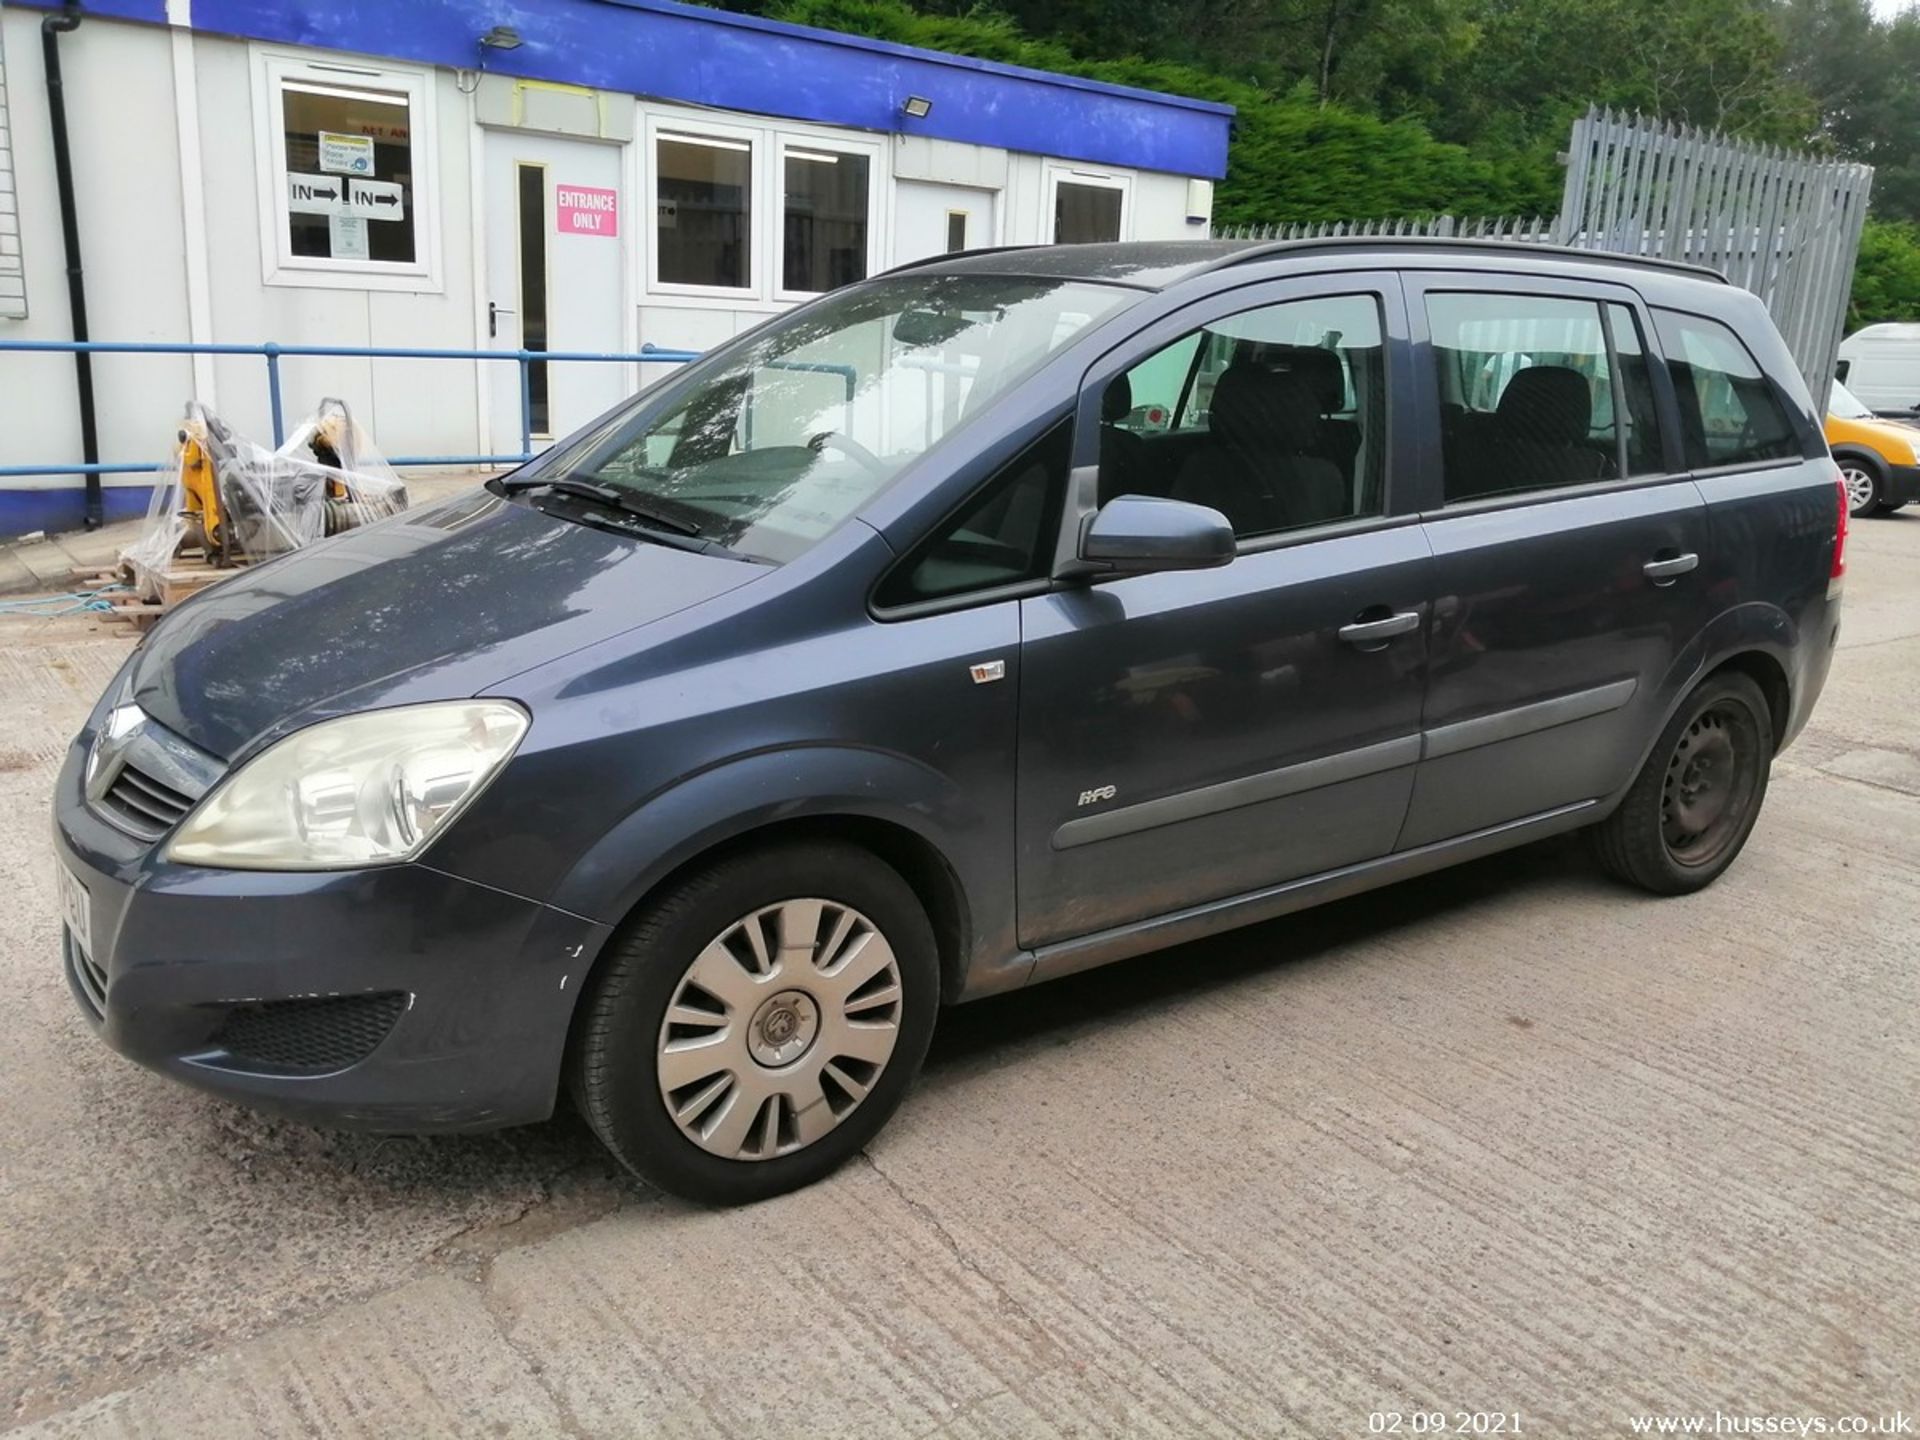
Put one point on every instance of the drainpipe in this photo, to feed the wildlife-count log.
(51, 29)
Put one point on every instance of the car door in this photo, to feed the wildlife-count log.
(1566, 540)
(1184, 737)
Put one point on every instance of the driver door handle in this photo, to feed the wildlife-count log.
(1664, 569)
(1378, 632)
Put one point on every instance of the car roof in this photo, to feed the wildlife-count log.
(1163, 264)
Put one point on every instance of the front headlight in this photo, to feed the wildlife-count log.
(368, 789)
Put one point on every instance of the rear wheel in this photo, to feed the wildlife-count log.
(1866, 490)
(1697, 797)
(757, 1024)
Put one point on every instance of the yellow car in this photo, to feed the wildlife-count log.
(1878, 459)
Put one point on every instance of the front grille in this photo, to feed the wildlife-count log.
(310, 1035)
(92, 978)
(143, 805)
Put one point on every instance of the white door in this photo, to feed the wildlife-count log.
(554, 217)
(934, 219)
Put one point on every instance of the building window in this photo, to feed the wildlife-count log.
(956, 231)
(347, 175)
(13, 274)
(703, 223)
(1088, 208)
(824, 213)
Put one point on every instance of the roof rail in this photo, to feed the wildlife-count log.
(1269, 249)
(946, 255)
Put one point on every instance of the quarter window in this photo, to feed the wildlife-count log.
(1729, 413)
(1527, 397)
(1002, 536)
(824, 216)
(703, 227)
(1275, 417)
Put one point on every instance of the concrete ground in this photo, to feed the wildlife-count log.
(1510, 1139)
(44, 564)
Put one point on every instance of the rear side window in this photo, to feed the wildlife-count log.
(1729, 413)
(1527, 396)
(1002, 535)
(1637, 415)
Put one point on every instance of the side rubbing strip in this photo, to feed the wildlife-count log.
(1232, 794)
(1525, 719)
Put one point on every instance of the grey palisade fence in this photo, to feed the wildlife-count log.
(1785, 225)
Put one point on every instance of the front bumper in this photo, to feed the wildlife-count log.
(267, 988)
(1903, 484)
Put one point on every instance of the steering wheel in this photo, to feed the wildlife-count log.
(851, 448)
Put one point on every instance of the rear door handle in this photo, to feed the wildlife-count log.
(1662, 572)
(1372, 634)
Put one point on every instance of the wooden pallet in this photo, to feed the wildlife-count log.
(152, 592)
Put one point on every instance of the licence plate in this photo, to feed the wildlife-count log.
(75, 908)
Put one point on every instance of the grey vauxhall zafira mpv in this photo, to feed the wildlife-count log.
(1001, 616)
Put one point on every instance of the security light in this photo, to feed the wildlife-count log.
(916, 107)
(501, 37)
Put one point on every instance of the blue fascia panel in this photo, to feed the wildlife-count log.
(684, 53)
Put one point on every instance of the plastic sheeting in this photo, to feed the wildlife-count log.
(237, 501)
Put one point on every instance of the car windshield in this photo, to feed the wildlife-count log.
(1843, 404)
(776, 443)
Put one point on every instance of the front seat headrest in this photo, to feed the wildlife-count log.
(1547, 404)
(1256, 411)
(1321, 371)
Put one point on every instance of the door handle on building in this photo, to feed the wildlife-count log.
(494, 312)
(1664, 570)
(1372, 634)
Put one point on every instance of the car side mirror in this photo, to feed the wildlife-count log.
(1138, 534)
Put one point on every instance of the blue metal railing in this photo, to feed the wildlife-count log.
(272, 354)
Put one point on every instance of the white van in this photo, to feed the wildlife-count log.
(1881, 365)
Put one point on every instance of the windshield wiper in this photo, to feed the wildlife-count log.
(612, 496)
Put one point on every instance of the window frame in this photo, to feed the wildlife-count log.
(1060, 173)
(1150, 336)
(1795, 417)
(757, 229)
(785, 141)
(279, 266)
(1425, 382)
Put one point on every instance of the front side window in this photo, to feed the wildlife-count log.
(770, 446)
(1526, 393)
(350, 169)
(824, 218)
(1275, 417)
(1729, 414)
(1844, 403)
(703, 225)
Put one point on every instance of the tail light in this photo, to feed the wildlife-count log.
(1839, 570)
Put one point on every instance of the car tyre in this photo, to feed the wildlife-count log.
(1866, 486)
(1695, 800)
(801, 980)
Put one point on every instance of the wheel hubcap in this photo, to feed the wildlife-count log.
(779, 1029)
(1709, 785)
(1859, 486)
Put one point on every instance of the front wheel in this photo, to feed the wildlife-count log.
(1697, 797)
(1866, 491)
(756, 1025)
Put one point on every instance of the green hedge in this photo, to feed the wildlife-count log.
(1886, 282)
(1291, 158)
